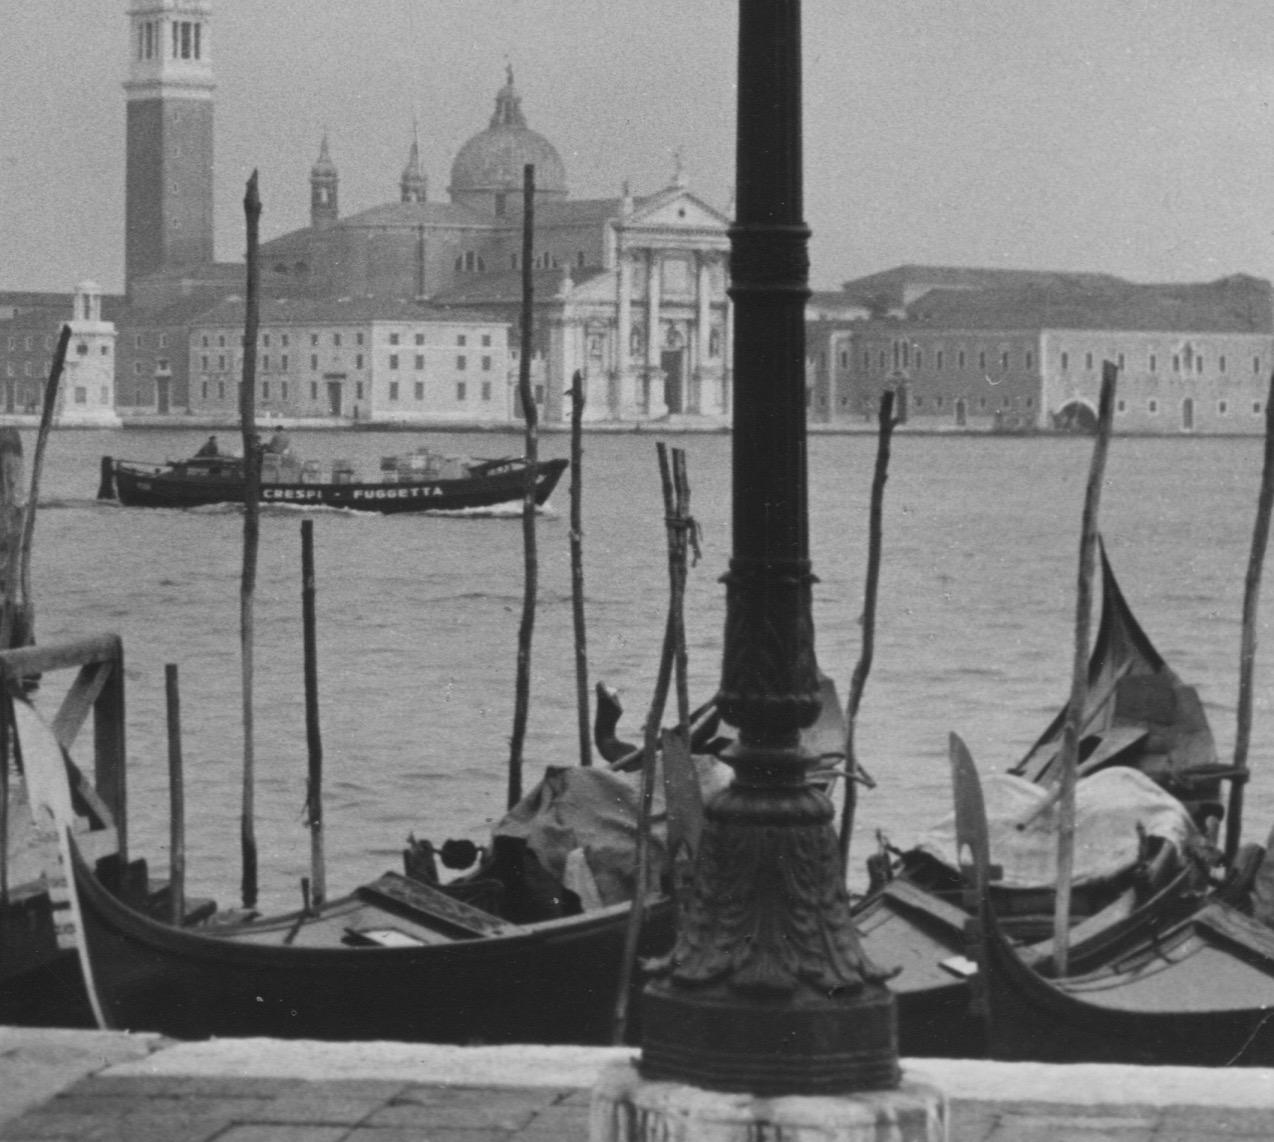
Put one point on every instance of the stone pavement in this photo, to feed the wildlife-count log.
(114, 1087)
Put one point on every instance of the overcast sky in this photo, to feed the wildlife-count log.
(1126, 136)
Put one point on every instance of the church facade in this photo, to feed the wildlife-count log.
(630, 291)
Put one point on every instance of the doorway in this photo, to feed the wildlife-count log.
(163, 394)
(334, 397)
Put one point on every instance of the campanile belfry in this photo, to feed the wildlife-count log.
(168, 193)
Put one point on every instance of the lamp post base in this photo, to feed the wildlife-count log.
(627, 1108)
(808, 1044)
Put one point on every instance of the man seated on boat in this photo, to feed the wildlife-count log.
(209, 448)
(279, 443)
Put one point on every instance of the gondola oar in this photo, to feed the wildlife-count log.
(1247, 652)
(1079, 671)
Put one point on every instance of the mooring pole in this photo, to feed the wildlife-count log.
(176, 801)
(768, 990)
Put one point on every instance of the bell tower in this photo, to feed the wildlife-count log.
(324, 183)
(168, 193)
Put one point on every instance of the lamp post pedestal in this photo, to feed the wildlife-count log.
(627, 1108)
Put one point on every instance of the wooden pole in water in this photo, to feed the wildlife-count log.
(251, 535)
(870, 591)
(314, 740)
(522, 696)
(10, 546)
(1079, 673)
(577, 570)
(176, 802)
(673, 650)
(1247, 652)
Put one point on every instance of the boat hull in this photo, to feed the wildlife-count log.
(149, 487)
(553, 982)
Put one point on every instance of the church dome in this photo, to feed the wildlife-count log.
(489, 166)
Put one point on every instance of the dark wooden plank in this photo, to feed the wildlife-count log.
(431, 907)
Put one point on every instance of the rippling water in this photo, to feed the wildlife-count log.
(418, 620)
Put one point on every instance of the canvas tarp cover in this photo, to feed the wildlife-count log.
(1109, 806)
(596, 810)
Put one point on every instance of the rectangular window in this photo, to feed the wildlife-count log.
(314, 390)
(1066, 361)
(265, 340)
(1154, 363)
(460, 339)
(982, 361)
(203, 362)
(137, 341)
(283, 391)
(1030, 359)
(938, 360)
(420, 361)
(486, 390)
(393, 338)
(1004, 361)
(265, 362)
(960, 360)
(221, 390)
(1221, 363)
(313, 338)
(283, 362)
(358, 339)
(1198, 364)
(336, 340)
(313, 361)
(161, 366)
(420, 338)
(204, 341)
(283, 340)
(486, 339)
(221, 341)
(1176, 363)
(460, 390)
(265, 390)
(486, 364)
(221, 362)
(393, 390)
(358, 361)
(203, 389)
(460, 363)
(393, 360)
(358, 390)
(420, 390)
(1088, 360)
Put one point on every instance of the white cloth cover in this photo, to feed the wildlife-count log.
(1108, 807)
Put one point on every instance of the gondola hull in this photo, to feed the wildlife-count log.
(549, 982)
(182, 486)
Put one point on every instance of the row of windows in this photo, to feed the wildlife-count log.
(1186, 361)
(418, 390)
(187, 39)
(284, 362)
(904, 354)
(939, 403)
(285, 340)
(1187, 407)
(29, 342)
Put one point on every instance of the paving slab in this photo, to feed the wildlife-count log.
(109, 1087)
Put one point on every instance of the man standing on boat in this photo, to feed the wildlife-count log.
(279, 443)
(209, 448)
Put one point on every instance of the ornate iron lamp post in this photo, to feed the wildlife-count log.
(767, 990)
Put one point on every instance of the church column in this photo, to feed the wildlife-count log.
(623, 381)
(727, 356)
(656, 404)
(703, 330)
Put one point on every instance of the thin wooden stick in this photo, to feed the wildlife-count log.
(1247, 652)
(1079, 672)
(313, 737)
(868, 649)
(176, 802)
(650, 755)
(577, 571)
(251, 535)
(522, 698)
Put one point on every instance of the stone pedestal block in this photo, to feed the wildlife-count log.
(626, 1108)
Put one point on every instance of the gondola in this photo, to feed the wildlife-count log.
(1196, 990)
(1140, 715)
(420, 482)
(398, 958)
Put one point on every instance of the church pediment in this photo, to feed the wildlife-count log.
(676, 209)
